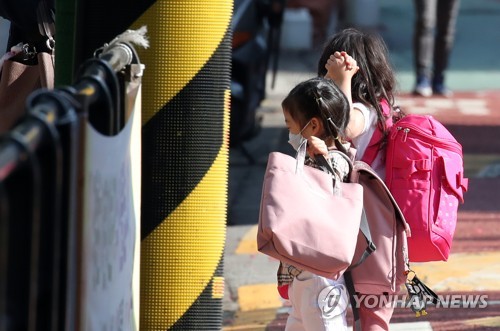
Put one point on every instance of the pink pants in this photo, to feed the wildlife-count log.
(375, 318)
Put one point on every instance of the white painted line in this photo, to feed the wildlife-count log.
(439, 103)
(471, 102)
(420, 110)
(476, 111)
(475, 107)
(404, 102)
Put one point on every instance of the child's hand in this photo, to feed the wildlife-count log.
(316, 146)
(341, 66)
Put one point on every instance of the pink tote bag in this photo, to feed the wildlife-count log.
(302, 222)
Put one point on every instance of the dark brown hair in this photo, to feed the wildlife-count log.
(375, 79)
(322, 98)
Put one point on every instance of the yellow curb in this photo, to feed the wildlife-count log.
(248, 244)
(258, 296)
(248, 327)
(462, 272)
(256, 320)
(486, 321)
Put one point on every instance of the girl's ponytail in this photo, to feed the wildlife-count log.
(334, 109)
(324, 112)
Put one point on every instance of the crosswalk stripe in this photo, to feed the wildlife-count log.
(473, 107)
(464, 106)
(440, 103)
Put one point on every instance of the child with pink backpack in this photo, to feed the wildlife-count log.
(374, 82)
(421, 162)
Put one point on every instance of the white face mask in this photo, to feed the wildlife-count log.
(296, 139)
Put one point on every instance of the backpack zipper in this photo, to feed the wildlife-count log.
(405, 130)
(436, 141)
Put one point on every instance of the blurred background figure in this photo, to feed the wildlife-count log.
(24, 27)
(434, 33)
(321, 12)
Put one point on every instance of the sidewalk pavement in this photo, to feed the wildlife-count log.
(472, 115)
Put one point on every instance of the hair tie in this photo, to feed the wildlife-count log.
(318, 100)
(329, 119)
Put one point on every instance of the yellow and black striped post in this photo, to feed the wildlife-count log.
(185, 113)
(185, 163)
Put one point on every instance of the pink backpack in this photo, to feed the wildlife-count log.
(387, 268)
(384, 271)
(425, 174)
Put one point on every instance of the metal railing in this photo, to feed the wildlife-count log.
(41, 162)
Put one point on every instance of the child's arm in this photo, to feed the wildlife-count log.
(341, 67)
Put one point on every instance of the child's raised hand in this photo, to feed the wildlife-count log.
(316, 146)
(341, 66)
(350, 63)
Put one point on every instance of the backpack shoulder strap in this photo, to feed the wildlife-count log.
(322, 162)
(352, 291)
(373, 146)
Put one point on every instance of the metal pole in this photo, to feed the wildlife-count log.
(185, 150)
(185, 163)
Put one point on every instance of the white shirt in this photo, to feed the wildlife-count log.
(361, 142)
